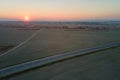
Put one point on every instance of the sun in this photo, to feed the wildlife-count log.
(26, 18)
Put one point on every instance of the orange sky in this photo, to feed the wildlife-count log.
(60, 9)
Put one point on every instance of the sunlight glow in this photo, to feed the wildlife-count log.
(26, 18)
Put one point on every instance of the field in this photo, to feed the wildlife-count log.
(102, 65)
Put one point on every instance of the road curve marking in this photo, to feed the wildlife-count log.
(44, 61)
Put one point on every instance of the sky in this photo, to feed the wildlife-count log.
(60, 9)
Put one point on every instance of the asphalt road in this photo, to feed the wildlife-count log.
(40, 62)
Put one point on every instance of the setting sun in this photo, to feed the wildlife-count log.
(26, 18)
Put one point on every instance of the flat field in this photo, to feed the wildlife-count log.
(48, 42)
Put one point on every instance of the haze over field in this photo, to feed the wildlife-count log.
(60, 9)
